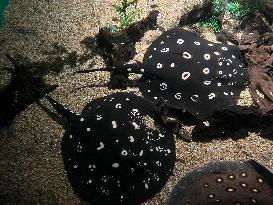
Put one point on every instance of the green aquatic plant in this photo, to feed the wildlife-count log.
(211, 23)
(235, 9)
(125, 12)
(217, 7)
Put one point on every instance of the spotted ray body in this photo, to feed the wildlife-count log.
(111, 153)
(225, 183)
(192, 73)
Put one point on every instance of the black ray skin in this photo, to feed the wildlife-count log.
(192, 73)
(225, 183)
(111, 154)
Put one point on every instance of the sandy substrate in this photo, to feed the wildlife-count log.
(31, 166)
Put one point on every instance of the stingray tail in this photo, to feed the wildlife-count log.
(63, 111)
(136, 68)
(12, 60)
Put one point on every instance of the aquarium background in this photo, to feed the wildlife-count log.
(49, 34)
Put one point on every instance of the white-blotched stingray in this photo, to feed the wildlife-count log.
(189, 73)
(225, 183)
(112, 153)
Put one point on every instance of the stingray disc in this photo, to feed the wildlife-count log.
(192, 73)
(225, 183)
(113, 154)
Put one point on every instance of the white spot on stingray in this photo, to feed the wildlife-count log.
(88, 129)
(131, 138)
(217, 53)
(185, 75)
(159, 65)
(158, 163)
(124, 153)
(101, 146)
(164, 50)
(150, 56)
(224, 48)
(196, 43)
(115, 165)
(219, 84)
(231, 93)
(146, 186)
(148, 91)
(136, 126)
(206, 71)
(118, 105)
(163, 86)
(220, 72)
(180, 41)
(142, 70)
(225, 93)
(232, 56)
(234, 71)
(99, 117)
(211, 96)
(194, 98)
(220, 64)
(70, 136)
(154, 49)
(230, 60)
(210, 44)
(114, 124)
(186, 55)
(82, 119)
(207, 56)
(178, 96)
(172, 65)
(162, 42)
(134, 112)
(207, 82)
(141, 153)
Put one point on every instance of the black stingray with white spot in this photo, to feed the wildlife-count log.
(113, 154)
(192, 73)
(225, 183)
